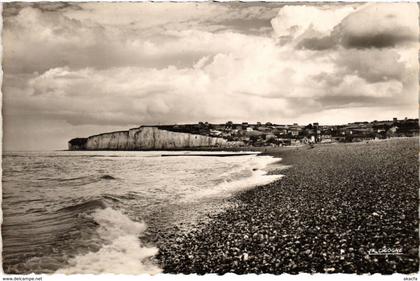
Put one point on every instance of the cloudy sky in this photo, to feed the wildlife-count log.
(81, 69)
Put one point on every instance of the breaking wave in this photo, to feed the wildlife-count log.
(247, 175)
(86, 216)
(122, 251)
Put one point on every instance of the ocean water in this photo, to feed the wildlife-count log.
(87, 212)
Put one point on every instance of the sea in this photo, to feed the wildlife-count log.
(89, 211)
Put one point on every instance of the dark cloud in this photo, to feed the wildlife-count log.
(13, 8)
(371, 27)
(266, 5)
(318, 44)
(342, 101)
(378, 26)
(246, 26)
(373, 65)
(376, 40)
(246, 18)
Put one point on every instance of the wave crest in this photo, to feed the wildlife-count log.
(122, 252)
(245, 176)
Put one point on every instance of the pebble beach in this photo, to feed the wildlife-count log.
(340, 208)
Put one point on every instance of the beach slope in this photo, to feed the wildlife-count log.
(337, 209)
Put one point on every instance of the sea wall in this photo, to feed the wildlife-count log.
(146, 138)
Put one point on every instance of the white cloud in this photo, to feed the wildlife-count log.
(90, 68)
(295, 20)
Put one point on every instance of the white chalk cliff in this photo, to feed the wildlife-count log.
(145, 138)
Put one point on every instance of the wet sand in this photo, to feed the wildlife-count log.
(336, 203)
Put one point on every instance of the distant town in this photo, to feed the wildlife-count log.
(269, 134)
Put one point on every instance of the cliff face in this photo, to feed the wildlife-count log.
(108, 141)
(145, 138)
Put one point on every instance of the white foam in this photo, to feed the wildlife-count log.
(122, 253)
(255, 168)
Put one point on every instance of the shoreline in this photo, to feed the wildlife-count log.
(335, 205)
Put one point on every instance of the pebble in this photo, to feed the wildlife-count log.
(321, 216)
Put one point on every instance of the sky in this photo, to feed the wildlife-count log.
(74, 70)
